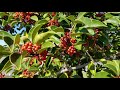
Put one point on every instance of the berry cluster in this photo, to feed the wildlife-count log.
(99, 14)
(53, 22)
(43, 55)
(7, 27)
(92, 38)
(28, 74)
(67, 43)
(30, 48)
(71, 50)
(40, 57)
(24, 16)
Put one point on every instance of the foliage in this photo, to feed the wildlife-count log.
(60, 45)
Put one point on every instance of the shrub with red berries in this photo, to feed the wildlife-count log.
(59, 44)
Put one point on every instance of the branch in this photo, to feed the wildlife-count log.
(89, 56)
(71, 68)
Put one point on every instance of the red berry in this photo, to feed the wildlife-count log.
(73, 40)
(29, 50)
(53, 14)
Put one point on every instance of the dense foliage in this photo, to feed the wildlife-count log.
(60, 45)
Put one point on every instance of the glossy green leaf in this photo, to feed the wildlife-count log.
(92, 68)
(33, 69)
(16, 59)
(80, 15)
(48, 73)
(9, 41)
(34, 30)
(41, 22)
(56, 62)
(13, 23)
(78, 47)
(4, 62)
(91, 31)
(90, 23)
(34, 18)
(43, 36)
(47, 45)
(5, 34)
(17, 39)
(4, 51)
(63, 17)
(102, 74)
(71, 17)
(48, 61)
(54, 39)
(113, 66)
(64, 75)
(108, 15)
(113, 20)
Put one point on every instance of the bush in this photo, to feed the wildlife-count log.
(60, 45)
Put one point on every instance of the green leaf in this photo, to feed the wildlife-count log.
(45, 15)
(16, 59)
(91, 23)
(48, 61)
(108, 15)
(47, 45)
(4, 22)
(4, 62)
(43, 21)
(56, 29)
(71, 17)
(4, 51)
(17, 39)
(64, 75)
(5, 34)
(9, 41)
(56, 62)
(59, 29)
(48, 73)
(92, 68)
(91, 31)
(9, 18)
(63, 17)
(80, 15)
(113, 20)
(84, 74)
(78, 47)
(54, 39)
(33, 69)
(34, 30)
(102, 74)
(113, 66)
(43, 36)
(34, 18)
(13, 23)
